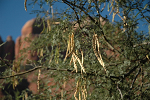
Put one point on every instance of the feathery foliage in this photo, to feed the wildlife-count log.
(97, 50)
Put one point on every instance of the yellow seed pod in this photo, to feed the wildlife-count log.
(41, 53)
(15, 82)
(49, 25)
(147, 57)
(25, 2)
(97, 53)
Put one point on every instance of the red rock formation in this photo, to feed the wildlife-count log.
(28, 33)
(1, 55)
(1, 48)
(8, 50)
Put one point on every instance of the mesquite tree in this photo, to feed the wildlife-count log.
(91, 49)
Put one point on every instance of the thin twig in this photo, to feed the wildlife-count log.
(135, 78)
(21, 73)
(103, 7)
(2, 44)
(120, 92)
(143, 15)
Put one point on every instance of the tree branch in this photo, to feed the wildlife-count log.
(88, 74)
(120, 92)
(94, 21)
(21, 73)
(143, 15)
(135, 78)
(72, 71)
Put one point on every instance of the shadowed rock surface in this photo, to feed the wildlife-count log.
(13, 94)
(8, 51)
(2, 68)
(1, 48)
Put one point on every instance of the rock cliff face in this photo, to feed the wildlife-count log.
(9, 49)
(28, 33)
(1, 48)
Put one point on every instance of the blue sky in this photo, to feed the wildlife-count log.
(13, 16)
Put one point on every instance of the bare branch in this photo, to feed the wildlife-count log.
(21, 73)
(120, 92)
(135, 78)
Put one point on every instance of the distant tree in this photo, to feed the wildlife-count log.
(93, 49)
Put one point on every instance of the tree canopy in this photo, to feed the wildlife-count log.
(96, 47)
